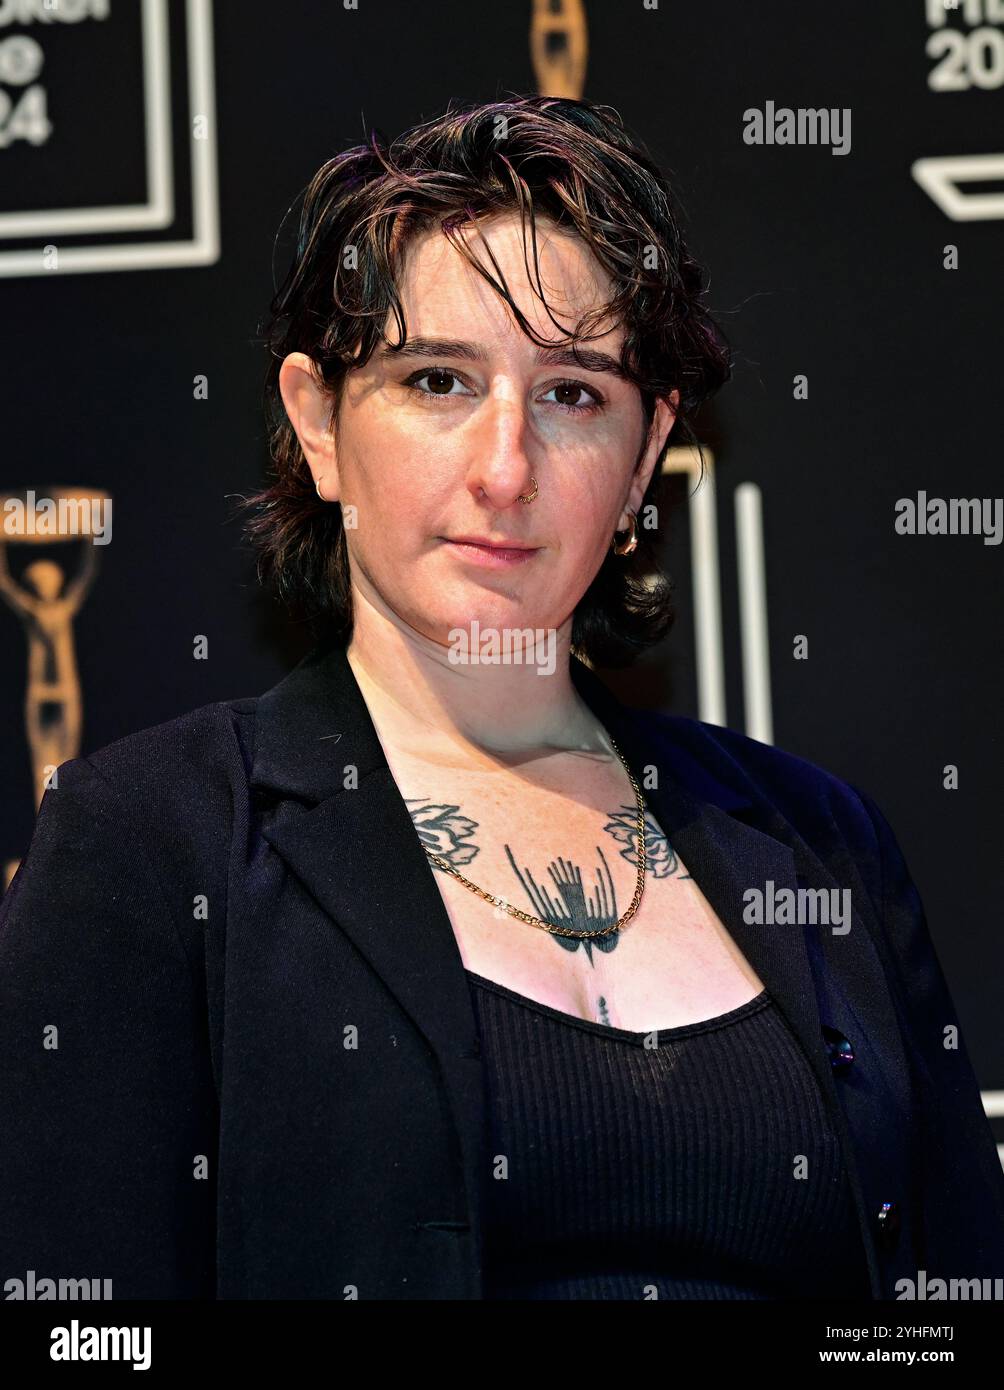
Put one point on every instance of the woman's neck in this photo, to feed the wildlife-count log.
(425, 702)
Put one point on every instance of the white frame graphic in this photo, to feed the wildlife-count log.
(159, 209)
(939, 176)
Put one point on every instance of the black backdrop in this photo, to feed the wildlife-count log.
(831, 266)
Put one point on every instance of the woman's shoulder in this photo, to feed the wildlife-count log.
(143, 820)
(191, 756)
(734, 770)
(786, 796)
(171, 788)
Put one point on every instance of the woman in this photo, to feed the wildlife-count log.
(430, 976)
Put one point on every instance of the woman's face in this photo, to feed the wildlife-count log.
(438, 442)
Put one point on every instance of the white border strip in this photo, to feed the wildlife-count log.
(753, 612)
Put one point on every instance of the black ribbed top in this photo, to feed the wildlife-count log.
(672, 1171)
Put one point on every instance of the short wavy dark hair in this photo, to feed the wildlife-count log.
(574, 163)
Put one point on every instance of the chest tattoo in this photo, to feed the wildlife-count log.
(565, 902)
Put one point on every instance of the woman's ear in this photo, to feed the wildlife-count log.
(663, 420)
(309, 410)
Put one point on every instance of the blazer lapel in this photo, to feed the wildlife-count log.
(342, 826)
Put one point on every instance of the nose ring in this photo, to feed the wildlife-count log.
(530, 496)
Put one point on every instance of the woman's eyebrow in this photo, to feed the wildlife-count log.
(561, 355)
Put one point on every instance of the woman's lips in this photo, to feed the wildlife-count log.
(492, 556)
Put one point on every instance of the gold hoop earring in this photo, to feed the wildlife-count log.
(626, 547)
(317, 488)
(530, 496)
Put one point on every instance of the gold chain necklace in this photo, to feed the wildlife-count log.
(546, 926)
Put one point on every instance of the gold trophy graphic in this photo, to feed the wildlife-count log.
(46, 601)
(558, 47)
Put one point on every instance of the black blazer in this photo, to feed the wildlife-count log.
(267, 1081)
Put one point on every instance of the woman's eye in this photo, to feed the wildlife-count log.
(568, 393)
(443, 381)
(573, 389)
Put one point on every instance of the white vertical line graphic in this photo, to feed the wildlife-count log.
(993, 1104)
(707, 602)
(201, 98)
(704, 578)
(157, 105)
(753, 612)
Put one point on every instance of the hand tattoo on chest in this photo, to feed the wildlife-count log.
(565, 902)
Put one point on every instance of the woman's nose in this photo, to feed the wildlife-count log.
(499, 440)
